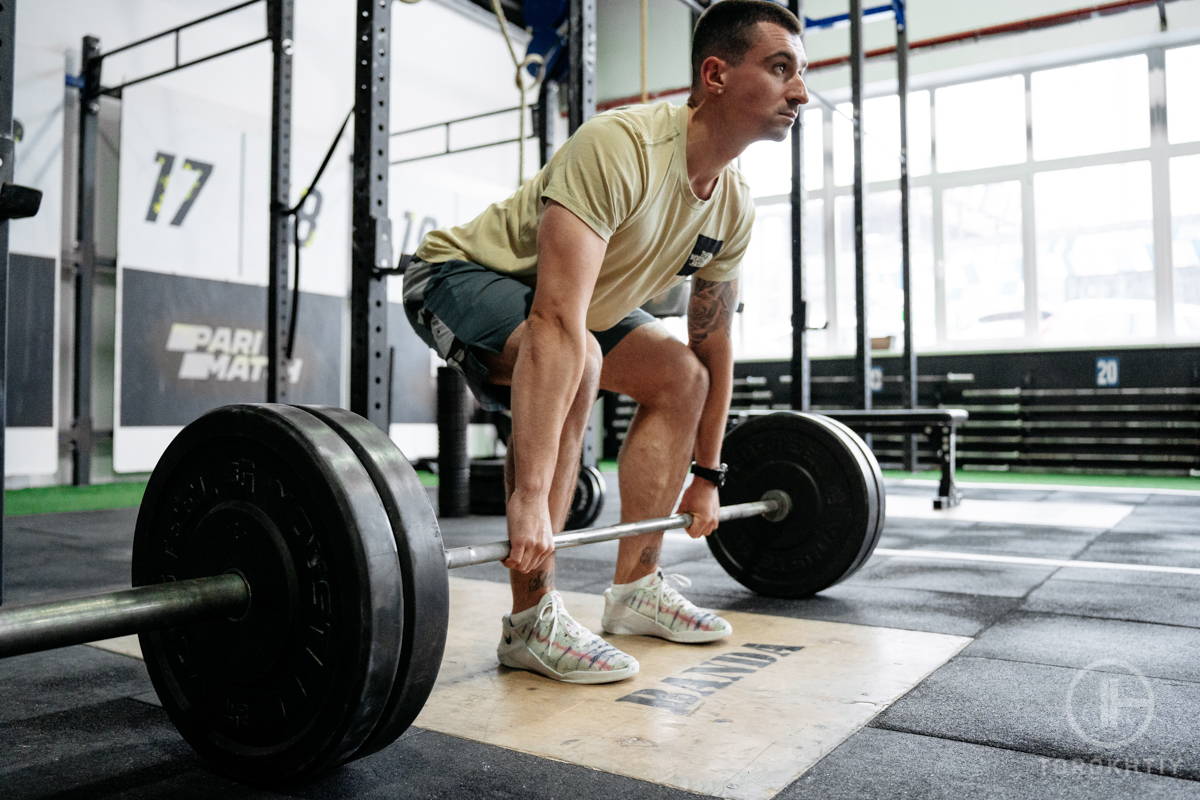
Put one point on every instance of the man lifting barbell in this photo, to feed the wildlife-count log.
(537, 302)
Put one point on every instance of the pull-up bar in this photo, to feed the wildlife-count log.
(114, 90)
(895, 7)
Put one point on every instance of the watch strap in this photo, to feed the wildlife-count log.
(714, 476)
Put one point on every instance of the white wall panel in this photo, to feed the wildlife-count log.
(38, 93)
(182, 210)
(30, 451)
(38, 106)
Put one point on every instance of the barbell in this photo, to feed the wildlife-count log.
(291, 591)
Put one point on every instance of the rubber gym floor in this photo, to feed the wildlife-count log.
(975, 654)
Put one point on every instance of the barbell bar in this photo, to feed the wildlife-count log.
(292, 593)
(774, 504)
(44, 626)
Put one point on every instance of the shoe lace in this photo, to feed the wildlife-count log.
(665, 589)
(554, 609)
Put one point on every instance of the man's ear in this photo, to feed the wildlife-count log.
(712, 75)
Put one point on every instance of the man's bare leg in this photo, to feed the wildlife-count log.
(670, 384)
(529, 587)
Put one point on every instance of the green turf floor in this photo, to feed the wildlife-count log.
(54, 499)
(73, 498)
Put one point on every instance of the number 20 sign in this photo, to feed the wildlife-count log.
(1108, 372)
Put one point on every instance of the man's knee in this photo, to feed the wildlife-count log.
(682, 385)
(694, 379)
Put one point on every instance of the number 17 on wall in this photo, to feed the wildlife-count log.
(165, 162)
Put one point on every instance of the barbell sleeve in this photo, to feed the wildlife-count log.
(773, 505)
(45, 626)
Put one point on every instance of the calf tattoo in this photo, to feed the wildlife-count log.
(541, 579)
(711, 308)
(650, 555)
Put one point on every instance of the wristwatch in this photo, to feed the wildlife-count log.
(714, 476)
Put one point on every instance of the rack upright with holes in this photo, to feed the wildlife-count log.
(371, 232)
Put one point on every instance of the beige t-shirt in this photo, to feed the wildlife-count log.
(624, 173)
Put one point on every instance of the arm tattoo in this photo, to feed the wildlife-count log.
(710, 309)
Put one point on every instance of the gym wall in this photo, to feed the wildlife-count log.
(180, 319)
(191, 256)
(32, 313)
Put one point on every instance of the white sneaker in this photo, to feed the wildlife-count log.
(548, 641)
(652, 607)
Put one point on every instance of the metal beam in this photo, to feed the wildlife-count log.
(910, 355)
(115, 91)
(8, 26)
(581, 44)
(280, 22)
(837, 19)
(371, 244)
(547, 110)
(85, 262)
(175, 31)
(862, 339)
(801, 386)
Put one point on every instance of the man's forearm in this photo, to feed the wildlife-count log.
(545, 379)
(717, 356)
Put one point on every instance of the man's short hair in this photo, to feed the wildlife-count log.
(724, 30)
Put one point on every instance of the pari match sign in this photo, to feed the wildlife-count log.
(188, 345)
(223, 353)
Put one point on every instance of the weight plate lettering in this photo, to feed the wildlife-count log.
(422, 565)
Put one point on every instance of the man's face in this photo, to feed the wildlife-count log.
(768, 84)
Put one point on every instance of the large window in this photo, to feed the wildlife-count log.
(881, 139)
(817, 287)
(1095, 253)
(764, 329)
(985, 287)
(980, 124)
(884, 266)
(1091, 108)
(1183, 110)
(1032, 221)
(1185, 234)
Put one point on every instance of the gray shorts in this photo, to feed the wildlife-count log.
(463, 311)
